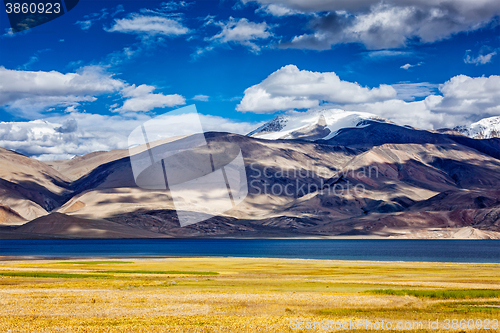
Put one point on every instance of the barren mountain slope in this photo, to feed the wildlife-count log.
(30, 187)
(56, 224)
(381, 179)
(9, 216)
(79, 166)
(402, 176)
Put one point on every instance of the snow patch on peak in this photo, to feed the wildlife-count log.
(313, 124)
(486, 128)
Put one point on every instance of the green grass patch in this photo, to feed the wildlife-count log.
(56, 275)
(93, 262)
(473, 307)
(342, 312)
(441, 294)
(159, 272)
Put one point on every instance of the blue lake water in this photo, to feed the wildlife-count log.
(338, 249)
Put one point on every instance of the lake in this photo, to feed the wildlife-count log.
(481, 251)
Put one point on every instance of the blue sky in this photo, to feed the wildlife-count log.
(84, 80)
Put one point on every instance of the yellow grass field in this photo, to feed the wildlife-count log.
(245, 295)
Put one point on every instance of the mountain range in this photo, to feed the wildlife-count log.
(347, 174)
(486, 128)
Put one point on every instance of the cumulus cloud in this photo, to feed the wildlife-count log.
(467, 95)
(383, 25)
(416, 114)
(457, 101)
(68, 126)
(36, 138)
(242, 32)
(63, 137)
(147, 25)
(292, 88)
(30, 92)
(142, 98)
(79, 133)
(425, 105)
(16, 84)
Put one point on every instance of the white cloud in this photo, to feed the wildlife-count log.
(416, 114)
(201, 51)
(291, 88)
(278, 10)
(452, 103)
(481, 59)
(63, 137)
(467, 95)
(201, 98)
(243, 32)
(79, 133)
(151, 26)
(461, 98)
(380, 25)
(84, 25)
(30, 92)
(70, 109)
(146, 25)
(388, 54)
(408, 66)
(90, 80)
(141, 98)
(212, 123)
(175, 5)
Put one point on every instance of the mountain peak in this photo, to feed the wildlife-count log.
(313, 124)
(486, 128)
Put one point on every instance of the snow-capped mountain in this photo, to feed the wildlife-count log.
(313, 125)
(484, 129)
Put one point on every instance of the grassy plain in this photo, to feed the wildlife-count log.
(241, 295)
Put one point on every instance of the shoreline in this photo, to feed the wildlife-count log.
(341, 261)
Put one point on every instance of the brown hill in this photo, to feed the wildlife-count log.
(57, 224)
(9, 216)
(408, 181)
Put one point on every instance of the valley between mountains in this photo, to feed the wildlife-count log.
(347, 174)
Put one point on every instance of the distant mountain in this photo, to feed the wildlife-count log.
(410, 183)
(486, 128)
(313, 125)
